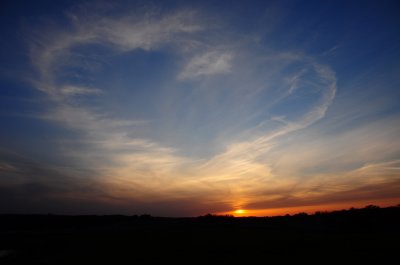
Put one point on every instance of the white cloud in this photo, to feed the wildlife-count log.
(209, 63)
(252, 164)
(70, 90)
(135, 162)
(147, 31)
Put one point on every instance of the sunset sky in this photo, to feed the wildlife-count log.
(182, 108)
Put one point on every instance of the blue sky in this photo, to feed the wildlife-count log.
(181, 108)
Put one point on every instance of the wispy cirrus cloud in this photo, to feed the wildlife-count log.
(209, 63)
(138, 140)
(154, 168)
(70, 90)
(147, 31)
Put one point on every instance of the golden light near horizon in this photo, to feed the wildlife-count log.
(240, 212)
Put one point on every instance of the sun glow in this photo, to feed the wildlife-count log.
(240, 212)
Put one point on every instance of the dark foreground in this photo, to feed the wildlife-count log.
(364, 236)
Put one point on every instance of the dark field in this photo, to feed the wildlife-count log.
(359, 236)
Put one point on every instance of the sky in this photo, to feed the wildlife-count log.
(182, 108)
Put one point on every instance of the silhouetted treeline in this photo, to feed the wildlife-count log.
(355, 236)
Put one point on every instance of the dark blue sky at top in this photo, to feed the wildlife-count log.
(143, 97)
(366, 31)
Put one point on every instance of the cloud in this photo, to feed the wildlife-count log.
(70, 90)
(319, 168)
(147, 32)
(340, 150)
(50, 51)
(143, 169)
(265, 120)
(209, 63)
(364, 194)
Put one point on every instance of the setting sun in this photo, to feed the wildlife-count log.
(240, 212)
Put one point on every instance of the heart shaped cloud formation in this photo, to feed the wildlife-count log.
(173, 107)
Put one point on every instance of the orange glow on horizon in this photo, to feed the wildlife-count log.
(239, 212)
(309, 209)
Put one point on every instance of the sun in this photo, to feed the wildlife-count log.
(240, 211)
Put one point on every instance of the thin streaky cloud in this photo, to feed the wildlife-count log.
(177, 106)
(208, 64)
(136, 160)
